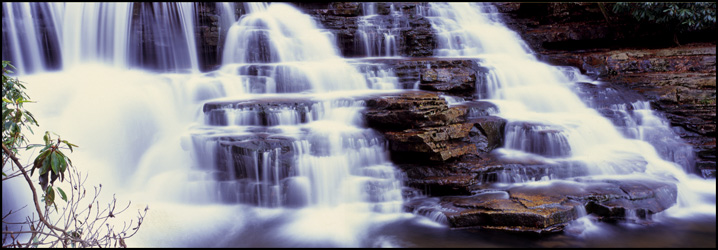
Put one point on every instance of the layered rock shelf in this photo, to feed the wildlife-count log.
(447, 156)
(549, 208)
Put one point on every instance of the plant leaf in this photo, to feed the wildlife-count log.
(49, 196)
(62, 194)
(54, 162)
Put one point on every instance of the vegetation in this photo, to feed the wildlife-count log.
(678, 17)
(77, 223)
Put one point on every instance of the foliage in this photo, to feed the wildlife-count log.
(72, 226)
(678, 16)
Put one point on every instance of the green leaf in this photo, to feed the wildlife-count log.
(49, 195)
(40, 162)
(55, 162)
(46, 138)
(62, 194)
(45, 165)
(63, 164)
(70, 145)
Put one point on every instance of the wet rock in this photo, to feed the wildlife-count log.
(679, 82)
(545, 140)
(459, 78)
(641, 198)
(455, 76)
(420, 38)
(606, 95)
(254, 154)
(479, 108)
(259, 112)
(492, 132)
(473, 173)
(416, 35)
(434, 143)
(548, 207)
(410, 110)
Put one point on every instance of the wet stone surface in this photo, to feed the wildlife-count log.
(543, 208)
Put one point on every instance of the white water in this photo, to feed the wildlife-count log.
(143, 135)
(530, 92)
(377, 35)
(140, 133)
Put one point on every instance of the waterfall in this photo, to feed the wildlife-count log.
(170, 43)
(48, 36)
(135, 102)
(378, 34)
(95, 32)
(30, 36)
(317, 146)
(271, 149)
(546, 118)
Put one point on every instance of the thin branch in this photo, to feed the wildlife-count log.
(32, 187)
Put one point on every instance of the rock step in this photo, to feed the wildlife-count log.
(548, 207)
(471, 174)
(410, 110)
(540, 139)
(268, 166)
(273, 111)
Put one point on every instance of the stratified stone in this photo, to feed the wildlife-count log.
(410, 110)
(548, 207)
(501, 211)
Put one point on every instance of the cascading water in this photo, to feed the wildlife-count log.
(270, 149)
(301, 157)
(546, 119)
(30, 38)
(378, 34)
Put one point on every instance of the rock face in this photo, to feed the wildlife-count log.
(421, 126)
(411, 110)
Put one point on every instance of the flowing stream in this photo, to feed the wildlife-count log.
(270, 149)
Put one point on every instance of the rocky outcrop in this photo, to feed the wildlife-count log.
(679, 82)
(420, 126)
(411, 110)
(449, 157)
(548, 208)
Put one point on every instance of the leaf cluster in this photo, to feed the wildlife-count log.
(678, 16)
(14, 116)
(51, 161)
(73, 226)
